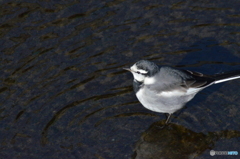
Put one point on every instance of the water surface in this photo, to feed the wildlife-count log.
(64, 94)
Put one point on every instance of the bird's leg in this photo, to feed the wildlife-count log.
(168, 116)
(166, 122)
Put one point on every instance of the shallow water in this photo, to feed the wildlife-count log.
(63, 91)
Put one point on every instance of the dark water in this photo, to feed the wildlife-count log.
(64, 94)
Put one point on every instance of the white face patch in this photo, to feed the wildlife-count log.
(138, 77)
(135, 69)
(138, 73)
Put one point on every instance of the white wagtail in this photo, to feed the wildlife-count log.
(167, 89)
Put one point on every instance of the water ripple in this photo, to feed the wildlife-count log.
(63, 86)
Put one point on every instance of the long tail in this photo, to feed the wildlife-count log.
(226, 76)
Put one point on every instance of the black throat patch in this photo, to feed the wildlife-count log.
(137, 85)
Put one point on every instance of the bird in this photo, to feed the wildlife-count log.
(165, 89)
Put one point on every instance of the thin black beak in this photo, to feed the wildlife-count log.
(128, 69)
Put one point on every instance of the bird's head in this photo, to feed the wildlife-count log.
(143, 69)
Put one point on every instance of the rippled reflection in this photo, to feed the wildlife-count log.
(64, 94)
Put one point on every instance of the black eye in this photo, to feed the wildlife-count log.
(138, 72)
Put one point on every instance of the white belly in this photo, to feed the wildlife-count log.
(164, 102)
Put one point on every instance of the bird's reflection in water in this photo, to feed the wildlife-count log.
(176, 141)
